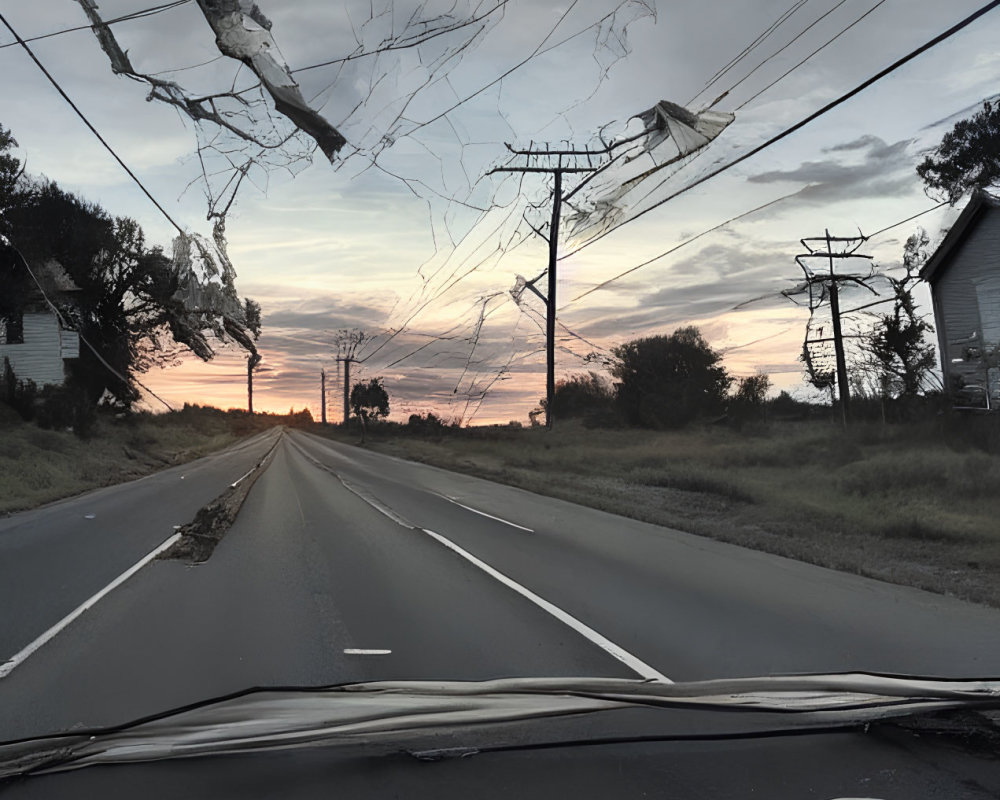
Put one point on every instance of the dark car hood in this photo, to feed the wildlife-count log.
(411, 715)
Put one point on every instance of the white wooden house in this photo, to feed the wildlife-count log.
(32, 339)
(964, 276)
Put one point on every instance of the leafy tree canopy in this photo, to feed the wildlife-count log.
(967, 158)
(581, 396)
(369, 400)
(668, 381)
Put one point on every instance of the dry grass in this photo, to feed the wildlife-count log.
(916, 505)
(38, 466)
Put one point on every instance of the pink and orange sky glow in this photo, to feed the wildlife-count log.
(419, 248)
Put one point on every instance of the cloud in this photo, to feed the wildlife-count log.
(879, 170)
(711, 281)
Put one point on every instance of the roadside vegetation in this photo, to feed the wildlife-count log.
(916, 504)
(39, 465)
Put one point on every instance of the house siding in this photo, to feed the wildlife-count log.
(967, 306)
(39, 358)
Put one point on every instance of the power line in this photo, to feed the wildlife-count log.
(674, 249)
(780, 50)
(804, 60)
(88, 123)
(802, 123)
(750, 47)
(145, 12)
(908, 219)
(879, 232)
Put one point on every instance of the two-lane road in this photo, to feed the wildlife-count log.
(345, 565)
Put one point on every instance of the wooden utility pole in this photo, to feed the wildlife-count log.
(838, 338)
(322, 395)
(252, 361)
(550, 304)
(347, 361)
(831, 282)
(348, 342)
(566, 161)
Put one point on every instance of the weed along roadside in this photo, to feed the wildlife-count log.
(913, 504)
(39, 466)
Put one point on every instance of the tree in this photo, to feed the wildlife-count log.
(13, 279)
(967, 158)
(750, 400)
(668, 381)
(896, 347)
(11, 171)
(369, 401)
(581, 396)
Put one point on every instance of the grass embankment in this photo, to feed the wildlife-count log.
(38, 466)
(916, 505)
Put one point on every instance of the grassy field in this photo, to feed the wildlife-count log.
(38, 466)
(917, 505)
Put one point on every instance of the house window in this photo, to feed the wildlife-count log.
(12, 329)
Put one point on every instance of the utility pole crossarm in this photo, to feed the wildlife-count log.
(541, 169)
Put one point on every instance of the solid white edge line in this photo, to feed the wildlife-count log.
(629, 660)
(19, 658)
(484, 514)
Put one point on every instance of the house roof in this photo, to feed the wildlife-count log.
(54, 278)
(980, 202)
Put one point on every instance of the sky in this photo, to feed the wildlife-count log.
(406, 236)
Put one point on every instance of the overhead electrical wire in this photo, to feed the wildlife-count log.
(778, 52)
(677, 247)
(968, 20)
(750, 47)
(145, 12)
(686, 242)
(951, 31)
(908, 219)
(90, 125)
(802, 123)
(804, 60)
(866, 237)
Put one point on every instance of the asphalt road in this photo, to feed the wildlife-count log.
(55, 557)
(345, 565)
